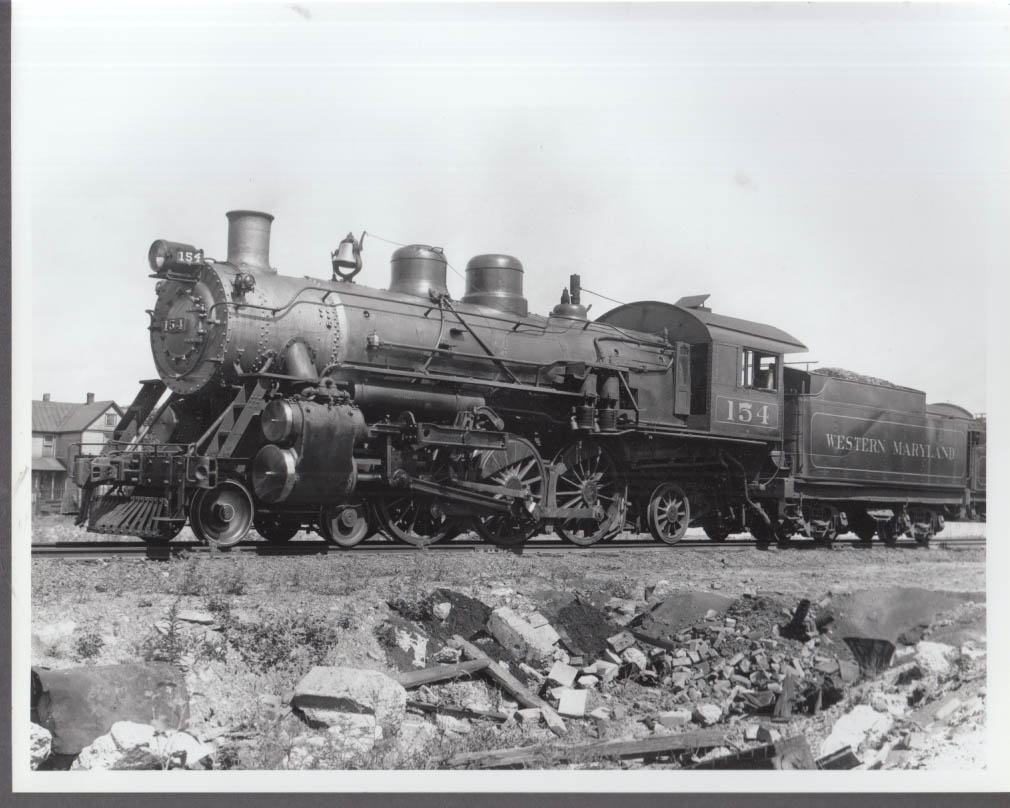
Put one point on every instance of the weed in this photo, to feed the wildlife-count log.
(167, 643)
(191, 581)
(88, 645)
(284, 640)
(233, 582)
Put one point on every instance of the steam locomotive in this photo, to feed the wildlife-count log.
(285, 403)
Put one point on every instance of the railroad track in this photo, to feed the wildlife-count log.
(81, 550)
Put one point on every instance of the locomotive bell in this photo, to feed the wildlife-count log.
(347, 256)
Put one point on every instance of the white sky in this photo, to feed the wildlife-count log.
(839, 172)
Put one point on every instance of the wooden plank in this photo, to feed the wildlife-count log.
(455, 710)
(518, 756)
(512, 685)
(440, 673)
(658, 642)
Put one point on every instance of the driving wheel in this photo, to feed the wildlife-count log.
(519, 468)
(591, 478)
(346, 525)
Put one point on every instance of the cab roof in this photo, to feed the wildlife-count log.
(688, 320)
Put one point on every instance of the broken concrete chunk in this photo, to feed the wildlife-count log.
(562, 674)
(674, 718)
(40, 745)
(635, 657)
(193, 616)
(589, 681)
(325, 692)
(854, 727)
(600, 714)
(607, 671)
(767, 734)
(78, 705)
(619, 642)
(947, 708)
(441, 610)
(573, 703)
(128, 734)
(935, 658)
(750, 732)
(706, 714)
(532, 644)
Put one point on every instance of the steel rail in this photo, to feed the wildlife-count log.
(110, 549)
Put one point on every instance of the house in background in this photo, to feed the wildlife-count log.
(60, 431)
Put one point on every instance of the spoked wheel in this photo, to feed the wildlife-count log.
(222, 515)
(416, 520)
(669, 513)
(346, 525)
(518, 467)
(275, 528)
(591, 478)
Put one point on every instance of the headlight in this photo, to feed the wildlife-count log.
(166, 255)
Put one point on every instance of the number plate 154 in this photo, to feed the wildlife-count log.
(750, 413)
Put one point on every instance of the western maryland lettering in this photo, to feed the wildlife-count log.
(899, 448)
(927, 450)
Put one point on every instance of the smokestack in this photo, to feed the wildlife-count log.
(91, 398)
(249, 240)
(45, 396)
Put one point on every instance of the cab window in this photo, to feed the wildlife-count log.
(758, 370)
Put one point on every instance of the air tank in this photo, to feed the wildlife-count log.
(418, 270)
(496, 281)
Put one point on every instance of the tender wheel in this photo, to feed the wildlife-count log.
(276, 529)
(346, 525)
(888, 532)
(591, 478)
(222, 515)
(669, 513)
(715, 529)
(763, 534)
(520, 468)
(864, 527)
(416, 520)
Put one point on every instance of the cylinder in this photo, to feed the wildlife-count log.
(312, 460)
(249, 240)
(418, 270)
(496, 281)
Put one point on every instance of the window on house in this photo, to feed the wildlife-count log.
(48, 445)
(111, 419)
(759, 370)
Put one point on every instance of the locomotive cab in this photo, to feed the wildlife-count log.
(729, 372)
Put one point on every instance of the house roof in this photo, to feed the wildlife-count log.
(47, 464)
(66, 416)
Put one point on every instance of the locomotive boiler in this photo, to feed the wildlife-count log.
(285, 403)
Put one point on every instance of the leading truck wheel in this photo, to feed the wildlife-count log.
(276, 529)
(669, 513)
(346, 526)
(222, 515)
(591, 478)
